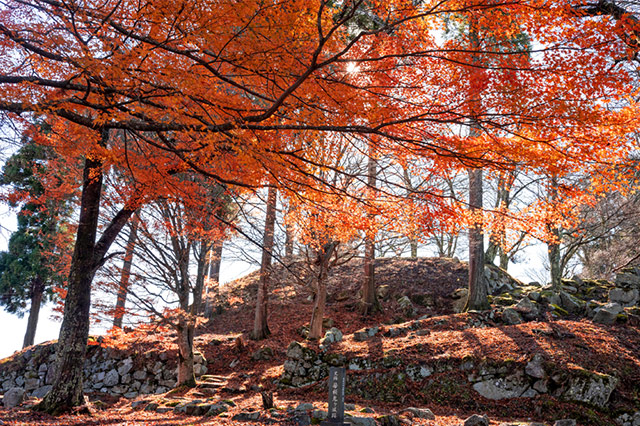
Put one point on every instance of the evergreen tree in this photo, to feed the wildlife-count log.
(30, 269)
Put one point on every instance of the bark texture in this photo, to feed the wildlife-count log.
(323, 258)
(215, 258)
(88, 256)
(72, 343)
(260, 324)
(477, 299)
(369, 302)
(123, 288)
(37, 292)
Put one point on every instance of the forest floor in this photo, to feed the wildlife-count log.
(570, 342)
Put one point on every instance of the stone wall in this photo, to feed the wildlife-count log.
(106, 370)
(390, 378)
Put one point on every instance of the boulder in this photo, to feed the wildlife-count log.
(535, 367)
(511, 317)
(125, 366)
(476, 420)
(406, 306)
(624, 297)
(13, 397)
(570, 303)
(366, 334)
(526, 307)
(608, 313)
(305, 406)
(265, 353)
(360, 421)
(565, 422)
(513, 386)
(628, 278)
(41, 391)
(111, 378)
(590, 387)
(333, 335)
(217, 409)
(421, 413)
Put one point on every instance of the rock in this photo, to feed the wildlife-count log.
(152, 406)
(511, 317)
(418, 372)
(382, 291)
(526, 307)
(301, 419)
(13, 397)
(565, 422)
(217, 409)
(624, 297)
(590, 387)
(362, 335)
(295, 350)
(319, 415)
(421, 413)
(265, 353)
(627, 279)
(503, 388)
(140, 375)
(535, 368)
(476, 420)
(360, 421)
(406, 306)
(333, 335)
(570, 303)
(199, 369)
(41, 391)
(389, 420)
(198, 358)
(535, 296)
(305, 406)
(111, 378)
(139, 403)
(126, 366)
(31, 383)
(608, 313)
(246, 416)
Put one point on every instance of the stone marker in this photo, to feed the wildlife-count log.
(336, 397)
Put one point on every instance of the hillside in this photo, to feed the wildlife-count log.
(552, 361)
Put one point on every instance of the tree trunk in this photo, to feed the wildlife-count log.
(37, 290)
(123, 289)
(553, 247)
(317, 315)
(88, 256)
(260, 325)
(413, 243)
(369, 302)
(504, 260)
(288, 242)
(477, 299)
(214, 277)
(185, 332)
(202, 266)
(72, 343)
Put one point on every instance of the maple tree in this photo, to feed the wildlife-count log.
(212, 94)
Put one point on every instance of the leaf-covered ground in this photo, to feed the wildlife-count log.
(447, 338)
